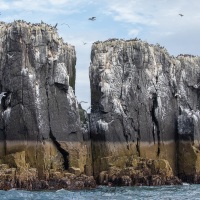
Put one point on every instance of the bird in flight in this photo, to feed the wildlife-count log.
(84, 43)
(65, 24)
(92, 18)
(181, 15)
(82, 102)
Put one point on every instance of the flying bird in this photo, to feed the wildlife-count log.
(181, 15)
(92, 18)
(82, 102)
(65, 24)
(84, 43)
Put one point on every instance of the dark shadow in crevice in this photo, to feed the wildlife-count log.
(64, 153)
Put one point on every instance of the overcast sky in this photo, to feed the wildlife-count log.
(155, 21)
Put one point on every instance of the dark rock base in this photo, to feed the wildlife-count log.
(77, 183)
(154, 180)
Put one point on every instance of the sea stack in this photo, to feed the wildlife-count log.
(39, 118)
(144, 125)
(145, 103)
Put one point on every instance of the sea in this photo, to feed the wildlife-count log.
(180, 192)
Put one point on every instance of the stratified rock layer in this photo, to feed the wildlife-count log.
(141, 98)
(39, 120)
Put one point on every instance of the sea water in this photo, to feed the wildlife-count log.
(180, 192)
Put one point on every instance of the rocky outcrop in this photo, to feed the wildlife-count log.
(144, 123)
(144, 103)
(40, 125)
(28, 178)
(139, 171)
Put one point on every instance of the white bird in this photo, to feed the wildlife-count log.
(2, 95)
(10, 56)
(197, 85)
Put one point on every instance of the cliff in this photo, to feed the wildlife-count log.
(145, 103)
(40, 128)
(145, 113)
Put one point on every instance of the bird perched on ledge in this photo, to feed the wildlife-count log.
(92, 18)
(2, 95)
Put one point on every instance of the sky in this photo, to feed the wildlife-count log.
(153, 21)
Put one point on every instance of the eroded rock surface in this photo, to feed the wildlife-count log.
(139, 171)
(141, 97)
(39, 116)
(144, 123)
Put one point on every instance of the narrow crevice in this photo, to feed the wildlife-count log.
(62, 87)
(138, 143)
(177, 163)
(124, 123)
(64, 153)
(153, 134)
(155, 122)
(138, 134)
(122, 77)
(92, 150)
(4, 106)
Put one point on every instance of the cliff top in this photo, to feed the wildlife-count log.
(138, 42)
(6, 27)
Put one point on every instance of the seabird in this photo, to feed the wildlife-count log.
(92, 18)
(65, 24)
(83, 102)
(2, 95)
(10, 56)
(84, 43)
(181, 15)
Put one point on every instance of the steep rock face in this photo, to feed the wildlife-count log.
(140, 97)
(39, 112)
